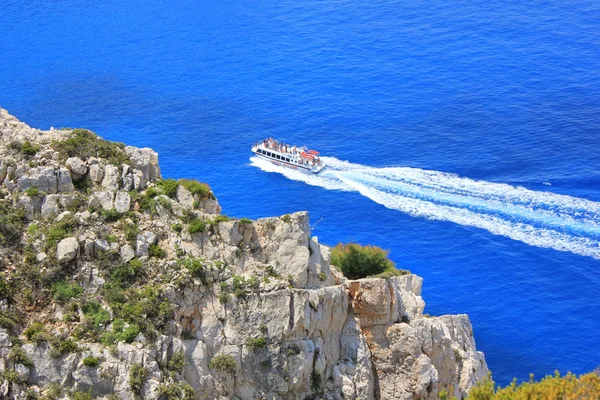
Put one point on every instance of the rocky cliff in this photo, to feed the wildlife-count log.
(118, 284)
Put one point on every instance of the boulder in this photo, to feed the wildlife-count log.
(111, 177)
(65, 184)
(96, 173)
(146, 161)
(67, 249)
(50, 205)
(101, 199)
(77, 167)
(122, 201)
(127, 253)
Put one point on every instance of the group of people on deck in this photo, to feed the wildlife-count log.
(276, 145)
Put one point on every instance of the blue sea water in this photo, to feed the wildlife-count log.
(463, 136)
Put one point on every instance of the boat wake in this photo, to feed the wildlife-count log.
(542, 219)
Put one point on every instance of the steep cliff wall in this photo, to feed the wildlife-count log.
(118, 284)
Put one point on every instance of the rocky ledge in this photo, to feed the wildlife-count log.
(118, 284)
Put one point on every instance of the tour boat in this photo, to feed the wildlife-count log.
(289, 156)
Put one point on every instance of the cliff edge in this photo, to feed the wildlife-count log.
(118, 284)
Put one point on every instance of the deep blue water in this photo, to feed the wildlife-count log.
(506, 92)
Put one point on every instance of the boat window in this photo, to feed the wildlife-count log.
(269, 153)
(287, 159)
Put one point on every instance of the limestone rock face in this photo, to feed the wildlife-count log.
(146, 161)
(122, 201)
(262, 295)
(67, 249)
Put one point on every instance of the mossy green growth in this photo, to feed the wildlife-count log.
(356, 261)
(256, 343)
(63, 291)
(91, 361)
(222, 363)
(32, 191)
(200, 189)
(197, 225)
(85, 144)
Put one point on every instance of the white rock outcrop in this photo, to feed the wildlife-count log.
(67, 249)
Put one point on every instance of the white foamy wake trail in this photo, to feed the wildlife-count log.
(540, 219)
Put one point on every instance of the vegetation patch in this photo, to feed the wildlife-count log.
(176, 391)
(168, 186)
(137, 377)
(91, 361)
(197, 225)
(63, 291)
(85, 144)
(11, 224)
(356, 261)
(200, 189)
(222, 363)
(256, 343)
(568, 386)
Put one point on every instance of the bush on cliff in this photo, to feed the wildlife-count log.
(85, 144)
(202, 190)
(356, 261)
(11, 224)
(549, 388)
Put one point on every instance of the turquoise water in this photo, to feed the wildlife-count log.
(463, 137)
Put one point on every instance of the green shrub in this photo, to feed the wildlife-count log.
(81, 395)
(63, 291)
(222, 363)
(196, 226)
(356, 261)
(322, 276)
(91, 361)
(202, 190)
(245, 221)
(256, 343)
(94, 313)
(4, 288)
(220, 218)
(11, 224)
(146, 307)
(28, 149)
(112, 239)
(64, 347)
(176, 391)
(168, 186)
(177, 361)
(195, 266)
(33, 329)
(32, 191)
(130, 333)
(137, 376)
(85, 144)
(52, 392)
(177, 227)
(156, 251)
(59, 231)
(111, 215)
(287, 218)
(18, 356)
